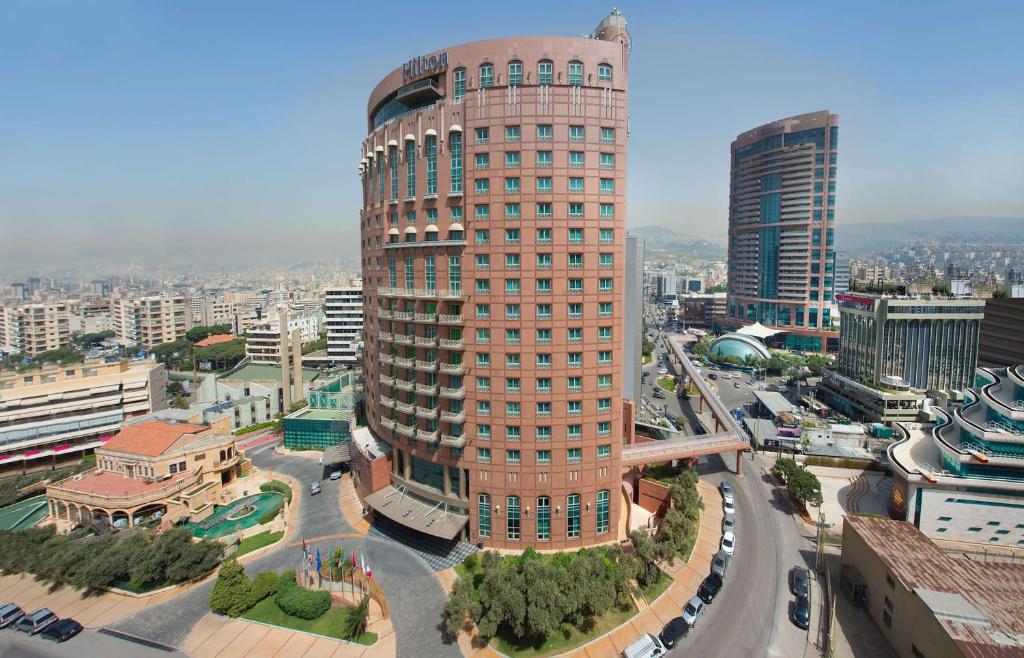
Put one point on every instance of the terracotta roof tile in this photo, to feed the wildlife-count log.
(150, 439)
(216, 339)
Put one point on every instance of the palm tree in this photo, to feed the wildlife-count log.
(354, 624)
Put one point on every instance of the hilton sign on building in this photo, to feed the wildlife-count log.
(418, 66)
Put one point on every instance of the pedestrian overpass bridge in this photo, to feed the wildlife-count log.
(727, 436)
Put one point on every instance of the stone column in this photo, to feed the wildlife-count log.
(739, 463)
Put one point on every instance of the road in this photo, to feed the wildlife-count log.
(750, 617)
(87, 644)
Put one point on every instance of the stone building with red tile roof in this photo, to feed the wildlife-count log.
(153, 471)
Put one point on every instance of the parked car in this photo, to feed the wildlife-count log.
(647, 646)
(662, 371)
(720, 564)
(802, 612)
(728, 524)
(660, 394)
(736, 384)
(62, 630)
(673, 631)
(729, 507)
(710, 588)
(314, 488)
(9, 614)
(336, 475)
(799, 581)
(729, 543)
(692, 611)
(36, 621)
(726, 489)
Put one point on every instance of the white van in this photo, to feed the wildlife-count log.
(646, 647)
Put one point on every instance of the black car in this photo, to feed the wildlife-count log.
(802, 612)
(63, 630)
(672, 632)
(798, 581)
(709, 588)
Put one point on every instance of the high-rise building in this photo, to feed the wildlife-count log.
(634, 320)
(1000, 344)
(344, 310)
(782, 200)
(493, 253)
(34, 328)
(149, 321)
(842, 272)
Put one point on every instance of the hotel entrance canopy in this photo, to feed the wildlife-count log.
(411, 512)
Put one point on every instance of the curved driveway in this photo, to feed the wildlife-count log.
(415, 596)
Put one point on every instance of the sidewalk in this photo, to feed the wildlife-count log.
(651, 618)
(351, 506)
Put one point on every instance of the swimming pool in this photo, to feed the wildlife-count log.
(229, 518)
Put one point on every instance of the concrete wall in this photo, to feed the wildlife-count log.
(653, 497)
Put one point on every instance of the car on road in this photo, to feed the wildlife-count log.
(336, 475)
(710, 588)
(36, 621)
(692, 611)
(658, 393)
(729, 543)
(647, 646)
(720, 564)
(314, 488)
(802, 612)
(662, 371)
(673, 632)
(799, 581)
(728, 524)
(728, 506)
(62, 631)
(726, 489)
(9, 614)
(736, 384)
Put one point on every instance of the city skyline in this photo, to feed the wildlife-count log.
(235, 125)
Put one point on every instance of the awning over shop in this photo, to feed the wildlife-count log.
(433, 520)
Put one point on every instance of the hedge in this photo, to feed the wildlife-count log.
(298, 602)
(262, 586)
(279, 487)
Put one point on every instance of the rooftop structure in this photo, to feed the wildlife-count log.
(928, 602)
(740, 346)
(216, 339)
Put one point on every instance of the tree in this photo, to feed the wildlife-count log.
(199, 332)
(175, 388)
(785, 468)
(719, 288)
(805, 488)
(456, 608)
(648, 553)
(502, 601)
(546, 597)
(354, 624)
(179, 402)
(230, 593)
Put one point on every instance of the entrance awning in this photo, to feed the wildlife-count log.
(340, 454)
(401, 508)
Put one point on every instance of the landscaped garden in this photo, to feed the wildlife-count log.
(134, 559)
(667, 384)
(253, 542)
(532, 605)
(278, 600)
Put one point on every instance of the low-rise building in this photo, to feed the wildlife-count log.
(56, 413)
(927, 602)
(328, 418)
(153, 471)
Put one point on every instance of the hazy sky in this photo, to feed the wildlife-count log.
(195, 131)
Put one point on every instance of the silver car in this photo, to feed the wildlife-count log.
(692, 611)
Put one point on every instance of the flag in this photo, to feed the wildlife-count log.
(362, 563)
(353, 559)
(369, 573)
(309, 560)
(318, 564)
(305, 551)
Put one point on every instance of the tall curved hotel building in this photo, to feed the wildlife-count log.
(493, 253)
(781, 222)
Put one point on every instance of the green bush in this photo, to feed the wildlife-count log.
(231, 592)
(262, 586)
(302, 603)
(271, 513)
(279, 487)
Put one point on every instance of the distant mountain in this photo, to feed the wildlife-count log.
(660, 239)
(859, 239)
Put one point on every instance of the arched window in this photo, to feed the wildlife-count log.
(543, 517)
(572, 516)
(602, 511)
(512, 517)
(459, 78)
(604, 72)
(484, 515)
(515, 73)
(576, 73)
(545, 72)
(486, 76)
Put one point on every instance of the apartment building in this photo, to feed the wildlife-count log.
(263, 341)
(344, 310)
(149, 321)
(34, 328)
(68, 410)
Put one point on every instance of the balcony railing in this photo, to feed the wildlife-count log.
(156, 493)
(426, 366)
(426, 412)
(425, 317)
(405, 407)
(453, 368)
(451, 343)
(387, 402)
(385, 358)
(389, 381)
(403, 362)
(388, 423)
(453, 393)
(405, 430)
(426, 435)
(386, 336)
(404, 316)
(449, 319)
(426, 341)
(453, 441)
(426, 389)
(403, 340)
(453, 416)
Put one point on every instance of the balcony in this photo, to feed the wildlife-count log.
(453, 393)
(384, 314)
(451, 343)
(404, 316)
(453, 368)
(543, 240)
(450, 294)
(426, 341)
(426, 435)
(426, 366)
(426, 412)
(405, 407)
(387, 402)
(426, 389)
(453, 416)
(453, 441)
(449, 319)
(403, 385)
(403, 362)
(425, 293)
(405, 430)
(386, 336)
(388, 423)
(385, 358)
(387, 381)
(425, 317)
